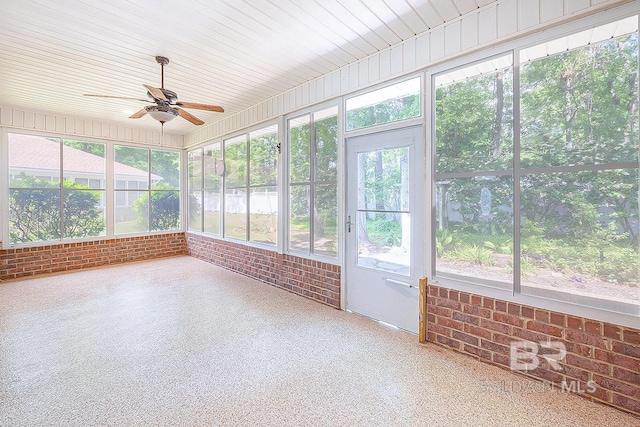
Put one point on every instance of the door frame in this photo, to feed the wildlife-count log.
(417, 207)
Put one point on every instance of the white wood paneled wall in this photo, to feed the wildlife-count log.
(488, 25)
(67, 126)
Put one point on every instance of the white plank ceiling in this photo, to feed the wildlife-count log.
(233, 53)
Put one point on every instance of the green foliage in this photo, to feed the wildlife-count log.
(473, 254)
(165, 209)
(391, 110)
(383, 231)
(35, 211)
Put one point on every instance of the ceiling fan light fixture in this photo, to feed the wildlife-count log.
(162, 113)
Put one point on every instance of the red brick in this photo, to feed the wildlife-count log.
(461, 336)
(612, 331)
(464, 297)
(584, 338)
(579, 349)
(501, 306)
(631, 337)
(488, 303)
(588, 364)
(618, 386)
(444, 302)
(557, 319)
(514, 309)
(480, 332)
(495, 347)
(542, 315)
(508, 319)
(477, 311)
(626, 402)
(439, 329)
(501, 359)
(593, 327)
(448, 342)
(626, 349)
(628, 376)
(575, 322)
(484, 354)
(630, 363)
(495, 326)
(450, 323)
(544, 328)
(528, 312)
(465, 318)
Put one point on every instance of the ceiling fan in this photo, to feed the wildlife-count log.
(167, 104)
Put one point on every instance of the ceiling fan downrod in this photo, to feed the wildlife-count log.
(162, 61)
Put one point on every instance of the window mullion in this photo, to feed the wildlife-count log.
(517, 173)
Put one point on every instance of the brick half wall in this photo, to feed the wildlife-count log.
(315, 280)
(605, 354)
(23, 262)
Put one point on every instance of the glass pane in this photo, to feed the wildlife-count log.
(83, 214)
(474, 236)
(263, 152)
(299, 220)
(131, 212)
(383, 180)
(474, 120)
(165, 210)
(400, 101)
(194, 159)
(84, 162)
(34, 215)
(212, 162)
(325, 226)
(131, 164)
(165, 170)
(299, 146)
(235, 159)
(384, 241)
(235, 214)
(34, 161)
(580, 237)
(264, 215)
(326, 131)
(195, 210)
(579, 107)
(211, 208)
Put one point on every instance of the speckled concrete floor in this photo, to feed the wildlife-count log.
(178, 341)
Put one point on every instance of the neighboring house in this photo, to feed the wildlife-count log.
(40, 157)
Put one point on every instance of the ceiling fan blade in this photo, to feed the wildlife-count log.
(156, 93)
(193, 119)
(138, 114)
(206, 107)
(116, 97)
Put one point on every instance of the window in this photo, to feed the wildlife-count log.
(313, 175)
(205, 189)
(135, 168)
(474, 176)
(44, 206)
(250, 186)
(562, 222)
(399, 101)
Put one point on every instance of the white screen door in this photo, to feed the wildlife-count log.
(385, 243)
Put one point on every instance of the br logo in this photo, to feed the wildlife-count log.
(526, 355)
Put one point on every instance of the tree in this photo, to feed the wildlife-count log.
(35, 211)
(165, 208)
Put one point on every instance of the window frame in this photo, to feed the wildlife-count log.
(514, 47)
(107, 204)
(312, 182)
